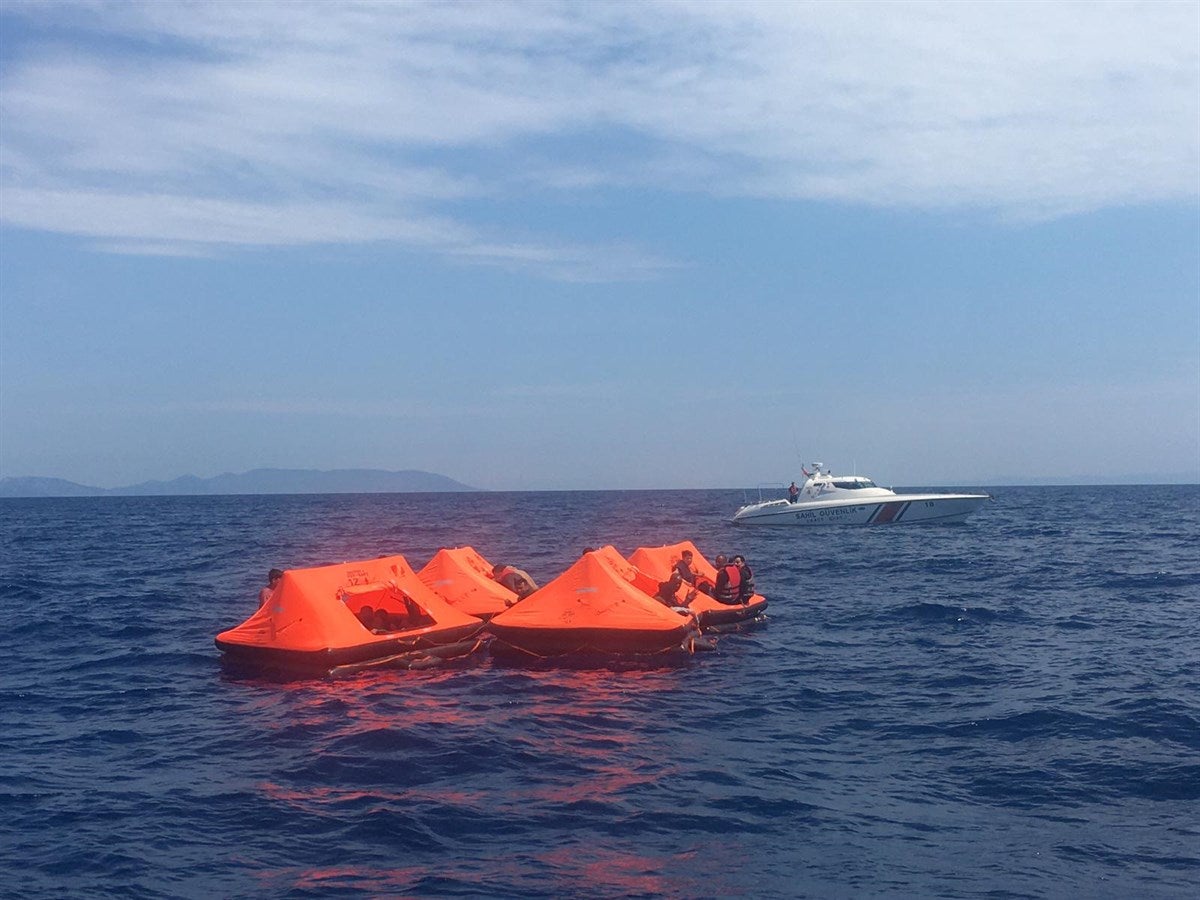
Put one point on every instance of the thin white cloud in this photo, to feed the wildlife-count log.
(208, 125)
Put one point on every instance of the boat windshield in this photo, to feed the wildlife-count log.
(854, 485)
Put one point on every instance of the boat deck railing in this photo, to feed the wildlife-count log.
(775, 486)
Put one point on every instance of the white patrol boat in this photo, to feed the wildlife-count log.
(828, 499)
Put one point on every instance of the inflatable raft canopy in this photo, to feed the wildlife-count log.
(593, 607)
(369, 611)
(658, 562)
(464, 579)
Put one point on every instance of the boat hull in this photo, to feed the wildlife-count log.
(713, 616)
(547, 643)
(328, 659)
(895, 510)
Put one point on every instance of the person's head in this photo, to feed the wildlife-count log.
(497, 569)
(587, 550)
(273, 576)
(739, 560)
(676, 579)
(722, 559)
(687, 555)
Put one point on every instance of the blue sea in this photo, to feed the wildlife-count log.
(1004, 708)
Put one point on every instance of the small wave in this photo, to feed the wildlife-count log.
(1040, 723)
(930, 612)
(1148, 581)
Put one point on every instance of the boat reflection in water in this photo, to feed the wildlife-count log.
(828, 499)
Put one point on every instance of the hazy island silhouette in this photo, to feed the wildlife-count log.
(256, 481)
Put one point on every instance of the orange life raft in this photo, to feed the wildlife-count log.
(463, 578)
(593, 607)
(658, 563)
(348, 616)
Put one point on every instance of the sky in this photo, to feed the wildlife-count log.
(543, 246)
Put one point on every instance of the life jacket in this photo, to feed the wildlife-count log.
(747, 587)
(729, 587)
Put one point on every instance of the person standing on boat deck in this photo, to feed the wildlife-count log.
(746, 588)
(793, 493)
(729, 583)
(516, 580)
(272, 580)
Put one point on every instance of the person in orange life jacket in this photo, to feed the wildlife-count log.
(516, 580)
(272, 581)
(793, 493)
(729, 582)
(746, 588)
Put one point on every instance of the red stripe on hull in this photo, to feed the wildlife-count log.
(888, 512)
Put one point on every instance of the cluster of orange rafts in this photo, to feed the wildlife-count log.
(381, 613)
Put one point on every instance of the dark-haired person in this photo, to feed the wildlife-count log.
(668, 591)
(684, 567)
(746, 587)
(690, 576)
(272, 580)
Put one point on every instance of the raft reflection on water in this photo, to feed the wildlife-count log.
(343, 747)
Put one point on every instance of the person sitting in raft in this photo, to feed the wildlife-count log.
(668, 595)
(793, 493)
(413, 616)
(729, 582)
(746, 588)
(683, 568)
(516, 580)
(272, 580)
(689, 575)
(380, 621)
(668, 590)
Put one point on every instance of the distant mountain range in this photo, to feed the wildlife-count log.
(257, 481)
